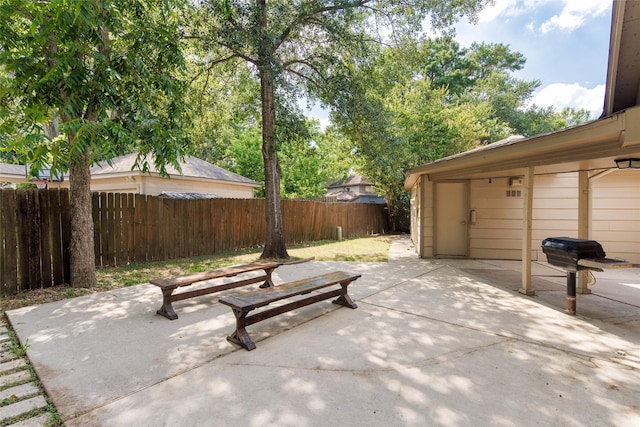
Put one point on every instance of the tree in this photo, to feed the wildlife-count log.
(420, 101)
(308, 161)
(402, 114)
(225, 106)
(509, 98)
(109, 73)
(294, 47)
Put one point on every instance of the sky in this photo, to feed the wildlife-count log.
(565, 43)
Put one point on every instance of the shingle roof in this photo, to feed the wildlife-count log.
(171, 195)
(191, 167)
(9, 169)
(353, 179)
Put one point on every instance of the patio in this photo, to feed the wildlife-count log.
(433, 342)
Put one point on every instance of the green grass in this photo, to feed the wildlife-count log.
(369, 249)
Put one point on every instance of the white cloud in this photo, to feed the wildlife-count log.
(574, 13)
(560, 96)
(499, 8)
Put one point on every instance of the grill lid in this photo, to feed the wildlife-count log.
(575, 248)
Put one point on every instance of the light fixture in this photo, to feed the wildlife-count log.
(628, 163)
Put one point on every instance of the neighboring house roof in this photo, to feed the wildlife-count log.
(171, 195)
(350, 196)
(192, 167)
(344, 196)
(353, 179)
(370, 198)
(12, 170)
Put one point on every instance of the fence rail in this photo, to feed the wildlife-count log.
(35, 235)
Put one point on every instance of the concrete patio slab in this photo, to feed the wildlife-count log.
(433, 342)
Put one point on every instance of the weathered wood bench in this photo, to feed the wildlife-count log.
(243, 304)
(170, 284)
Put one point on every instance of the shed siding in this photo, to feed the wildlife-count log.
(555, 209)
(616, 214)
(497, 233)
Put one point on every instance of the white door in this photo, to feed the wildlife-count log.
(451, 219)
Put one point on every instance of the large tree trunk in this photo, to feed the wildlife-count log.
(274, 246)
(81, 251)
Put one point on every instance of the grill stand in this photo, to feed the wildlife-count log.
(571, 293)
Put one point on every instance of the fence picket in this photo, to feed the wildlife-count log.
(45, 240)
(57, 242)
(35, 233)
(8, 233)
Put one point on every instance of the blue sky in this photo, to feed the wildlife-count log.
(566, 43)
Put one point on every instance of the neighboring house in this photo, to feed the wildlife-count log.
(198, 179)
(12, 174)
(16, 174)
(354, 189)
(499, 201)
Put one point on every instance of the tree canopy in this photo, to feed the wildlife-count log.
(84, 81)
(297, 48)
(423, 100)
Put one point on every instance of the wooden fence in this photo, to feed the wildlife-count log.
(35, 236)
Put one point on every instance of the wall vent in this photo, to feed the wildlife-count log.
(514, 193)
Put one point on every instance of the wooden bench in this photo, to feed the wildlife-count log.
(169, 285)
(243, 304)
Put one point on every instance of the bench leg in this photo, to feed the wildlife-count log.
(268, 283)
(167, 309)
(344, 298)
(240, 336)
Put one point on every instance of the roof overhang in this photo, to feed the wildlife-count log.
(590, 146)
(623, 71)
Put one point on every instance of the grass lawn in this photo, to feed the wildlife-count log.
(368, 249)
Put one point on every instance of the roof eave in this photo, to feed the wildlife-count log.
(617, 21)
(619, 132)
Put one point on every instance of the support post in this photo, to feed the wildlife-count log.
(527, 214)
(571, 292)
(583, 225)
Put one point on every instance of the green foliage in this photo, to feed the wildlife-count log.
(109, 71)
(244, 157)
(420, 101)
(19, 350)
(225, 102)
(303, 47)
(308, 159)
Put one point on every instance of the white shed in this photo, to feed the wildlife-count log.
(499, 201)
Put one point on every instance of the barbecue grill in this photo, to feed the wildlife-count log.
(575, 255)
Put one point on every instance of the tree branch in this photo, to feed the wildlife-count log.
(306, 17)
(210, 65)
(305, 77)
